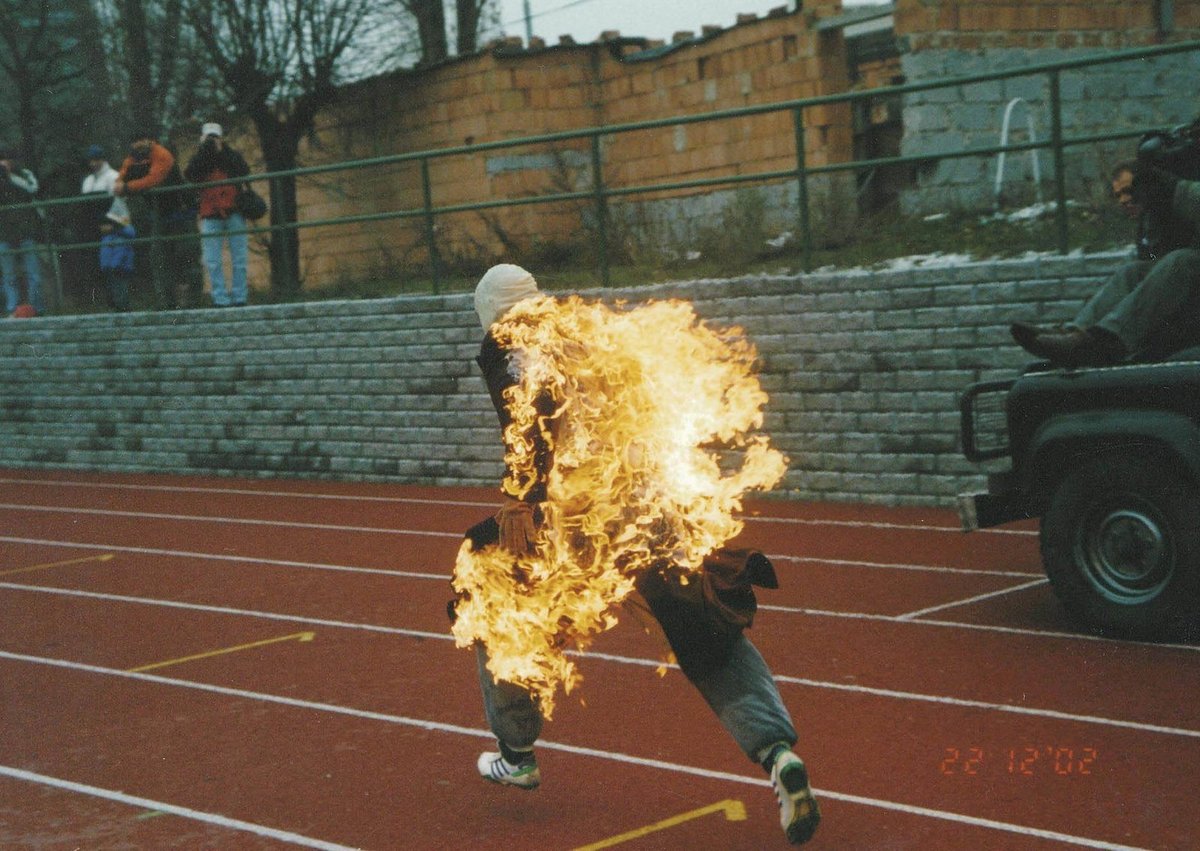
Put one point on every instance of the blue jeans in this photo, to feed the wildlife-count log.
(741, 692)
(33, 276)
(214, 232)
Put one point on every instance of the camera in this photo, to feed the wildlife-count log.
(1176, 150)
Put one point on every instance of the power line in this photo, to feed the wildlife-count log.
(546, 12)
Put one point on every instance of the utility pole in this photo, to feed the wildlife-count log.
(528, 24)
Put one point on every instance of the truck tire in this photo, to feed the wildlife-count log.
(1121, 546)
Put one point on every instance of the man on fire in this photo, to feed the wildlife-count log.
(613, 494)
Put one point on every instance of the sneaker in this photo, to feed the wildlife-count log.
(494, 767)
(799, 814)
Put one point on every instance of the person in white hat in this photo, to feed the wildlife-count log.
(719, 660)
(221, 223)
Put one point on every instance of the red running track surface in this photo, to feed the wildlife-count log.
(225, 664)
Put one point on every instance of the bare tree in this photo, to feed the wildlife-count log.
(38, 55)
(281, 62)
(160, 75)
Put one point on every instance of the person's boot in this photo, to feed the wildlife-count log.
(1024, 333)
(1077, 347)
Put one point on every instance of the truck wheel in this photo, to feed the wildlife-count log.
(1121, 546)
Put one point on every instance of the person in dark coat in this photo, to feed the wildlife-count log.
(220, 220)
(1149, 307)
(174, 255)
(703, 621)
(19, 230)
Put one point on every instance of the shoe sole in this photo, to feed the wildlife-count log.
(522, 786)
(808, 815)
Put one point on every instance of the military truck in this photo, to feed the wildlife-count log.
(1108, 459)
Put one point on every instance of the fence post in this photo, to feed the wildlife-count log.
(1060, 177)
(601, 207)
(802, 187)
(435, 264)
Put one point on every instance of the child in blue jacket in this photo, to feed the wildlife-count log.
(116, 257)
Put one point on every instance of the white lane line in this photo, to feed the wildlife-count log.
(968, 600)
(624, 660)
(12, 539)
(894, 806)
(979, 627)
(445, 577)
(308, 565)
(251, 492)
(864, 524)
(197, 518)
(173, 809)
(842, 562)
(881, 524)
(937, 699)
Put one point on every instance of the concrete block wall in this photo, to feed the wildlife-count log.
(863, 370)
(942, 39)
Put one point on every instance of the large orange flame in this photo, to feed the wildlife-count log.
(654, 447)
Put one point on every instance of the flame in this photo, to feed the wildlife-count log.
(646, 397)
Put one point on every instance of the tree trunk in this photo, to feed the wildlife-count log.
(431, 29)
(280, 147)
(468, 12)
(139, 65)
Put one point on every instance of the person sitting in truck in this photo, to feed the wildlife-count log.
(1149, 307)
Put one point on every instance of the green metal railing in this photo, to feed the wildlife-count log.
(600, 193)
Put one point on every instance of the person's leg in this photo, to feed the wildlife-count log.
(33, 275)
(185, 258)
(239, 255)
(8, 272)
(119, 290)
(1116, 287)
(514, 718)
(744, 697)
(746, 700)
(211, 237)
(161, 268)
(1144, 314)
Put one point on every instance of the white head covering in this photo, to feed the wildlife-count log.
(499, 289)
(210, 129)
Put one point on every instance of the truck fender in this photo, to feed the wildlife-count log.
(1060, 437)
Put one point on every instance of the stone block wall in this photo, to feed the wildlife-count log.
(943, 39)
(863, 370)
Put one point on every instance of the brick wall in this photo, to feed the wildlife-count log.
(863, 370)
(508, 92)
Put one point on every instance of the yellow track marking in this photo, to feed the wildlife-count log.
(734, 811)
(105, 557)
(296, 636)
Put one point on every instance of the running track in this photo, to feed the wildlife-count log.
(190, 663)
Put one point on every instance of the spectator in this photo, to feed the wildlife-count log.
(1150, 306)
(92, 215)
(116, 258)
(220, 220)
(173, 255)
(101, 176)
(18, 231)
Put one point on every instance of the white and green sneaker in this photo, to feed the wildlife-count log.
(799, 814)
(494, 767)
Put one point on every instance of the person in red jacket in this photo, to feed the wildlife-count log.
(173, 256)
(220, 220)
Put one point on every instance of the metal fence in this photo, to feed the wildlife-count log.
(599, 194)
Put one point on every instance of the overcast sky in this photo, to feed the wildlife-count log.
(584, 20)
